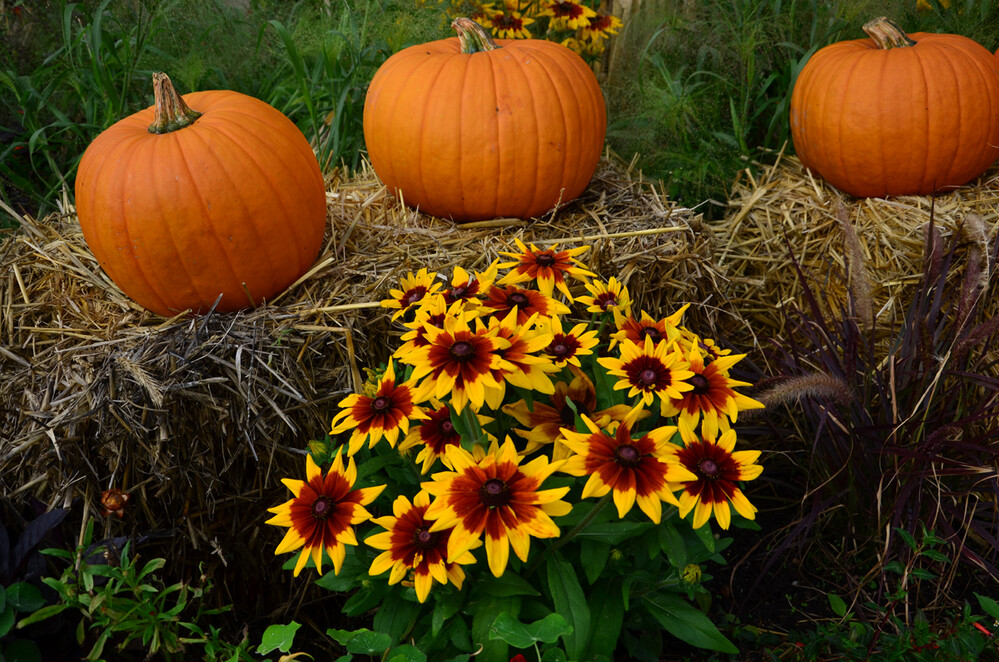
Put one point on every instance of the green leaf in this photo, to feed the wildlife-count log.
(988, 605)
(922, 573)
(508, 585)
(614, 533)
(362, 641)
(484, 614)
(936, 555)
(906, 537)
(608, 615)
(395, 618)
(837, 604)
(685, 622)
(22, 650)
(344, 581)
(278, 637)
(593, 555)
(407, 653)
(367, 598)
(674, 545)
(568, 597)
(7, 617)
(517, 634)
(554, 655)
(25, 597)
(707, 537)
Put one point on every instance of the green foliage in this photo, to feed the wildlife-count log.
(125, 604)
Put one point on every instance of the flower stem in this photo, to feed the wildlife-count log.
(573, 532)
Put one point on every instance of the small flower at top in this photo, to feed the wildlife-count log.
(635, 330)
(457, 361)
(434, 435)
(567, 15)
(415, 287)
(430, 313)
(650, 370)
(713, 399)
(601, 27)
(113, 502)
(635, 470)
(609, 297)
(410, 546)
(495, 498)
(565, 348)
(500, 300)
(385, 414)
(545, 421)
(322, 513)
(548, 268)
(510, 25)
(467, 288)
(718, 469)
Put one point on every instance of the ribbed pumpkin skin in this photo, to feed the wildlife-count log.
(510, 132)
(901, 121)
(175, 219)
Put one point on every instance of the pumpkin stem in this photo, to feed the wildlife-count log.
(172, 113)
(472, 36)
(887, 34)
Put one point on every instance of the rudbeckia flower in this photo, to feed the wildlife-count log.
(567, 15)
(500, 300)
(510, 25)
(601, 27)
(565, 348)
(497, 499)
(433, 435)
(457, 361)
(530, 367)
(649, 370)
(410, 546)
(545, 421)
(713, 398)
(415, 287)
(548, 268)
(466, 287)
(635, 470)
(611, 296)
(717, 469)
(322, 513)
(385, 414)
(635, 330)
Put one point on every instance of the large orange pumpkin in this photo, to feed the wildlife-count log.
(897, 114)
(181, 206)
(469, 128)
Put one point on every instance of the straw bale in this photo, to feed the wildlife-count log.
(874, 246)
(198, 417)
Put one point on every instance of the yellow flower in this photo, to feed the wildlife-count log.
(510, 25)
(415, 287)
(610, 297)
(650, 370)
(548, 268)
(567, 15)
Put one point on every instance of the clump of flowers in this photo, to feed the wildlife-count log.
(521, 401)
(577, 24)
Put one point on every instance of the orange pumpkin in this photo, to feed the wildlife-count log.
(469, 128)
(181, 206)
(897, 114)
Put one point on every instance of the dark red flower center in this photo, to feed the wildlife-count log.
(504, 22)
(414, 295)
(423, 538)
(709, 468)
(607, 301)
(560, 349)
(447, 427)
(700, 384)
(321, 508)
(627, 455)
(518, 299)
(462, 350)
(650, 332)
(494, 492)
(545, 260)
(381, 404)
(648, 377)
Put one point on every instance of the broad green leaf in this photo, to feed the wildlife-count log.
(346, 580)
(520, 635)
(608, 619)
(554, 655)
(988, 605)
(567, 594)
(508, 585)
(593, 554)
(906, 537)
(484, 614)
(278, 637)
(684, 622)
(614, 533)
(366, 598)
(674, 545)
(7, 617)
(707, 536)
(22, 650)
(406, 653)
(837, 604)
(362, 641)
(395, 617)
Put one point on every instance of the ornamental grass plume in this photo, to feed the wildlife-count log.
(519, 402)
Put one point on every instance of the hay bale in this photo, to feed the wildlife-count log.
(199, 417)
(878, 244)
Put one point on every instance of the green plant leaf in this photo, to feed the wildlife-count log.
(278, 637)
(22, 650)
(614, 533)
(484, 613)
(906, 537)
(608, 616)
(685, 622)
(554, 655)
(362, 641)
(7, 617)
(674, 545)
(395, 618)
(988, 605)
(520, 635)
(25, 597)
(567, 594)
(837, 604)
(707, 536)
(593, 554)
(41, 614)
(508, 585)
(407, 653)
